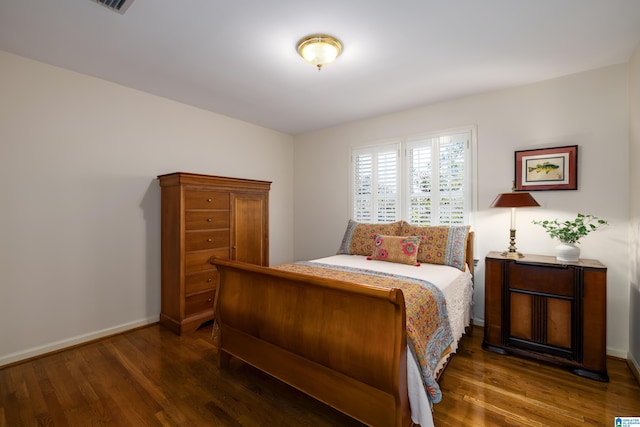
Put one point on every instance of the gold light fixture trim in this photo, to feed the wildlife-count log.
(319, 49)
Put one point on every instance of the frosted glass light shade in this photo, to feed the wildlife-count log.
(319, 49)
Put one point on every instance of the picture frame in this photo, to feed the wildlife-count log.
(547, 169)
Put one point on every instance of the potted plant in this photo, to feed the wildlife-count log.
(569, 233)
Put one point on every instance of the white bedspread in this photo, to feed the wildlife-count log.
(457, 288)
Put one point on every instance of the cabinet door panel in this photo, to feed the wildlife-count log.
(559, 322)
(249, 229)
(521, 316)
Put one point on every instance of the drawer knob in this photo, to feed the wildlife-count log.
(209, 280)
(209, 219)
(209, 200)
(208, 240)
(209, 300)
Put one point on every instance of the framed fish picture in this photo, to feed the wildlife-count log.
(547, 169)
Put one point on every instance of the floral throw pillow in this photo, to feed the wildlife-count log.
(445, 245)
(400, 249)
(359, 237)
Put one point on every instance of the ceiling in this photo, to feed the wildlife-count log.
(238, 57)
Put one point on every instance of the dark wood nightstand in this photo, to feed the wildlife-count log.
(548, 310)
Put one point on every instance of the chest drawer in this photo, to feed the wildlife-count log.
(198, 303)
(199, 261)
(208, 239)
(195, 199)
(199, 282)
(206, 220)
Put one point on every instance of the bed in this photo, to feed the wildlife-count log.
(343, 328)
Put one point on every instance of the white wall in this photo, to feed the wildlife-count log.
(80, 216)
(80, 224)
(634, 200)
(588, 109)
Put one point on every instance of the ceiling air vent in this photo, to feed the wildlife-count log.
(119, 6)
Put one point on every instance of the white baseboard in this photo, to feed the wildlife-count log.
(80, 339)
(634, 366)
(620, 354)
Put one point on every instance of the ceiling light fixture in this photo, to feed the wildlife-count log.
(319, 49)
(119, 6)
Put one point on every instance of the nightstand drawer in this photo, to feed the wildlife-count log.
(541, 279)
(199, 303)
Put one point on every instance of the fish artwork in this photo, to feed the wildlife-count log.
(545, 167)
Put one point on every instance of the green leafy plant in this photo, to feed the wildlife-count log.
(572, 231)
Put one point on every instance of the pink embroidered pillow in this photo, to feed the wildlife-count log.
(400, 249)
(359, 237)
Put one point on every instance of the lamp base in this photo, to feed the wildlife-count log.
(512, 255)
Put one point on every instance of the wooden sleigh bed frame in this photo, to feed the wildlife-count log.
(341, 343)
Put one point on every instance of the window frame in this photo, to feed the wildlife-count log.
(403, 212)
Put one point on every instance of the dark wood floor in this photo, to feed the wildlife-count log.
(151, 377)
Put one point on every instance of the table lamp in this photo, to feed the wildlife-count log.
(513, 200)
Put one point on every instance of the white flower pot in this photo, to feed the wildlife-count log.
(567, 252)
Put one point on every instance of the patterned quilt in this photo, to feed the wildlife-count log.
(428, 330)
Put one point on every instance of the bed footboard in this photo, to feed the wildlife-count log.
(341, 343)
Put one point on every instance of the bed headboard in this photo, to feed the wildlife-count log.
(469, 249)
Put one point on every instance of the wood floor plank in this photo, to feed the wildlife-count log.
(12, 385)
(152, 377)
(54, 414)
(507, 388)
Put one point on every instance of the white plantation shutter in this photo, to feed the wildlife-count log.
(362, 188)
(376, 183)
(436, 188)
(387, 206)
(420, 185)
(439, 191)
(452, 200)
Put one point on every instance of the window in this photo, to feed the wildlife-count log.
(430, 185)
(376, 178)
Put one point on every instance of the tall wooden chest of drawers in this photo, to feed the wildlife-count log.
(203, 216)
(551, 311)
